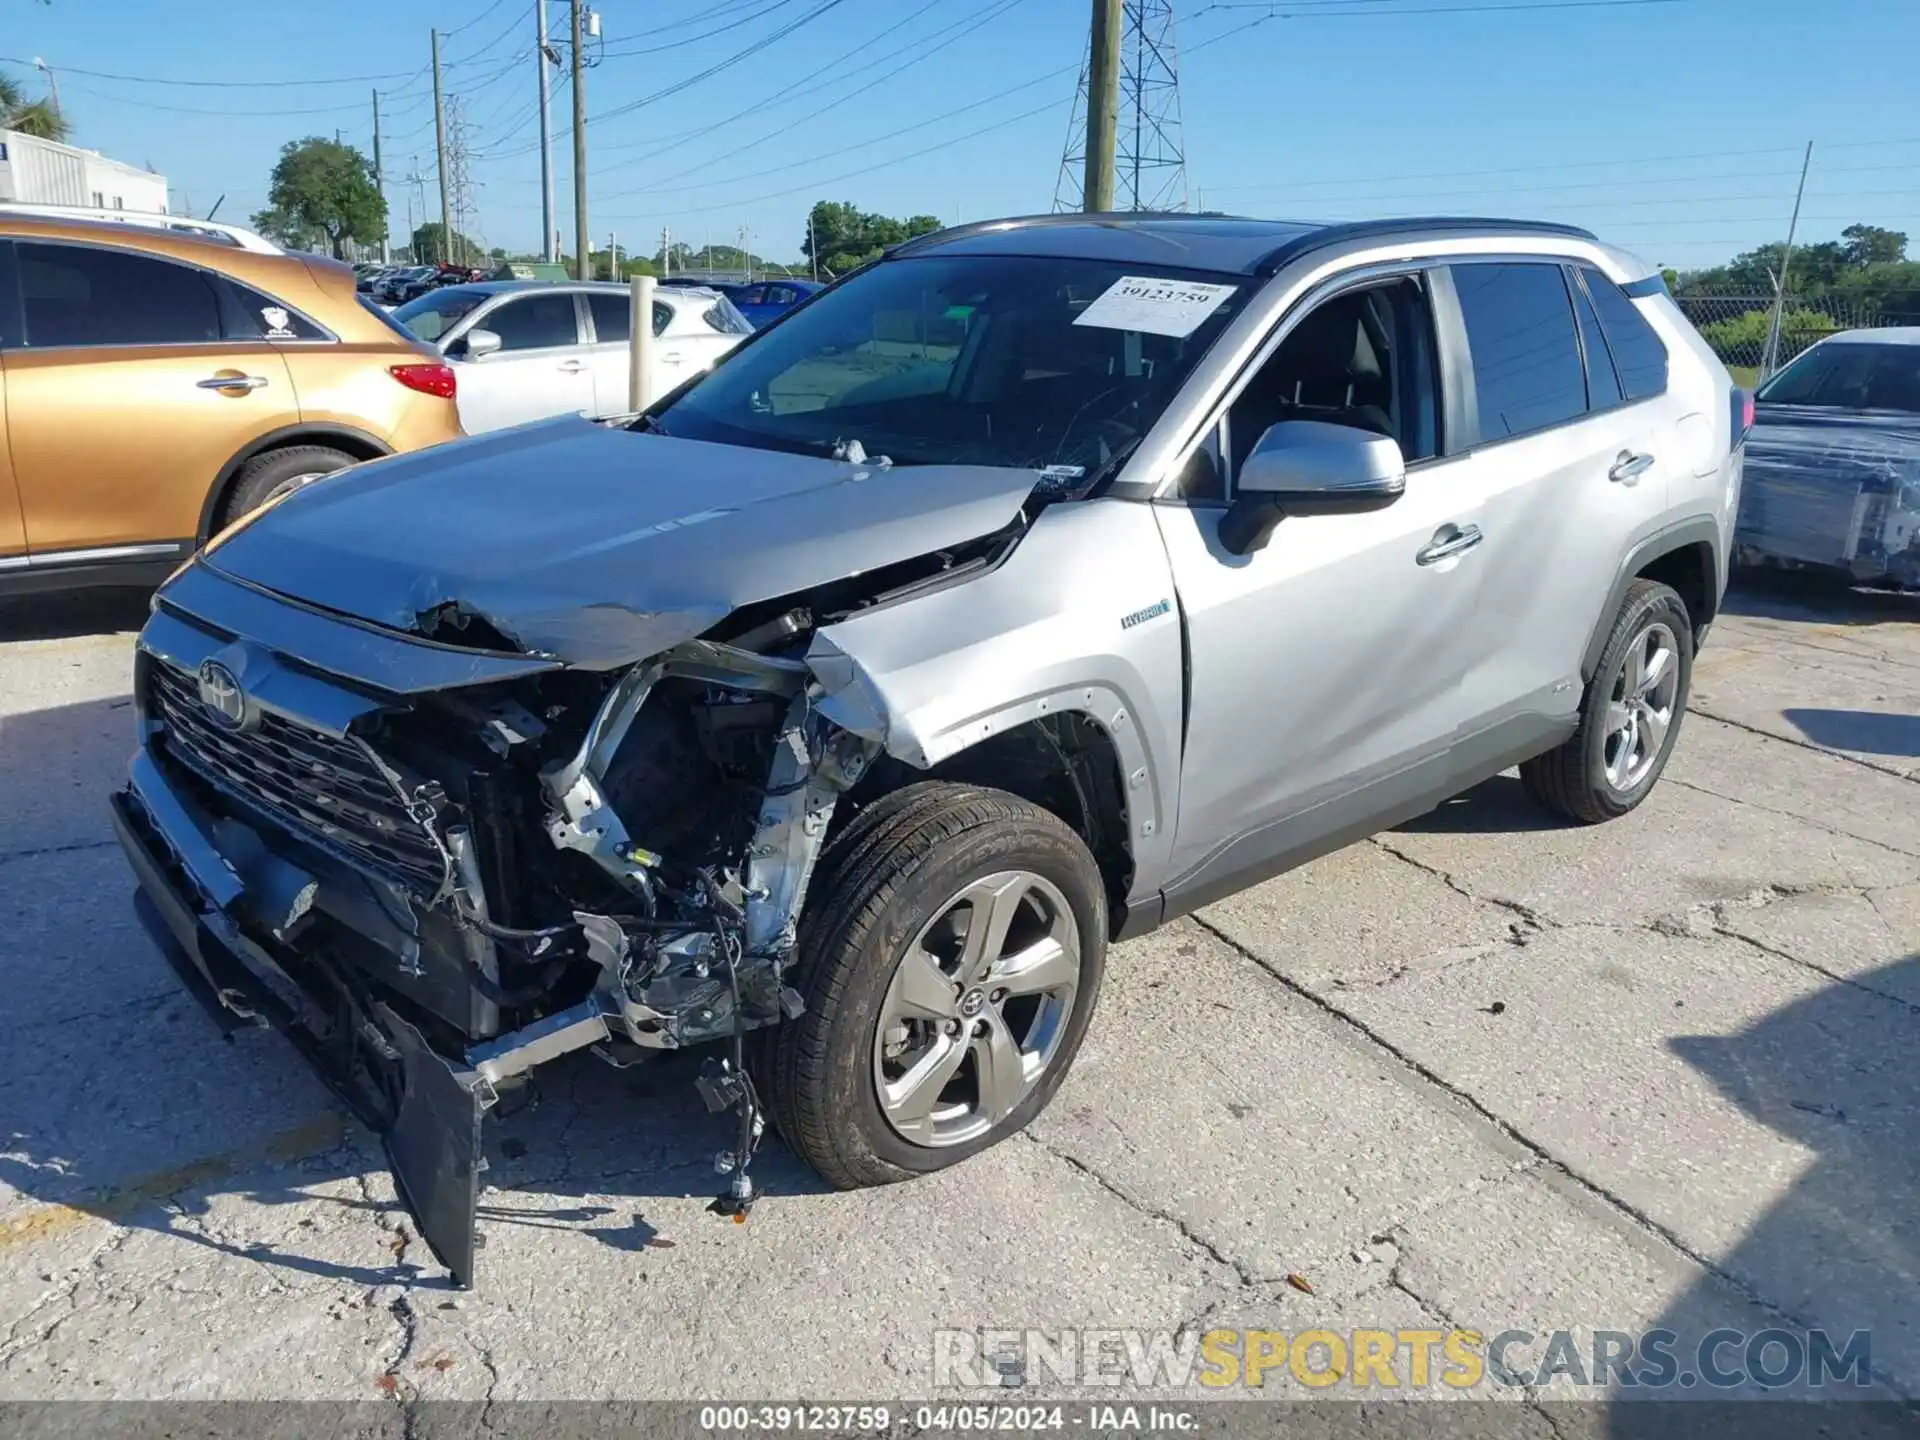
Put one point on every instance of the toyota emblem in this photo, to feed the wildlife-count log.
(222, 696)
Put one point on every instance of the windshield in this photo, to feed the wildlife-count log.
(1850, 377)
(438, 311)
(1018, 361)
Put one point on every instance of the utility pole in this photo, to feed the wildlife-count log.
(1772, 352)
(580, 237)
(440, 152)
(379, 175)
(53, 82)
(666, 252)
(613, 255)
(542, 57)
(813, 251)
(1103, 105)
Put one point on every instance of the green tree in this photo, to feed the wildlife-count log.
(842, 237)
(38, 118)
(429, 245)
(324, 188)
(1742, 339)
(1870, 245)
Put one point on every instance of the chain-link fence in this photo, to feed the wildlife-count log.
(1736, 326)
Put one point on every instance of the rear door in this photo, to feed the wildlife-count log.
(126, 397)
(1568, 472)
(611, 353)
(541, 368)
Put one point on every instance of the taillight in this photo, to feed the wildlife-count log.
(1742, 414)
(426, 377)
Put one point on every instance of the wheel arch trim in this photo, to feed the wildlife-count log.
(1696, 530)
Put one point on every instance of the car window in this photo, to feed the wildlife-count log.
(534, 322)
(261, 317)
(1364, 358)
(1526, 359)
(1603, 383)
(781, 295)
(1037, 362)
(1638, 354)
(1850, 376)
(76, 295)
(662, 317)
(612, 317)
(432, 315)
(723, 316)
(749, 294)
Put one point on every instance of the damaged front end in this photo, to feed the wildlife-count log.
(434, 886)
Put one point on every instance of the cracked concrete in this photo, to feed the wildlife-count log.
(1484, 1071)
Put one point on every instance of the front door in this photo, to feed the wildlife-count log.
(126, 401)
(540, 369)
(1325, 667)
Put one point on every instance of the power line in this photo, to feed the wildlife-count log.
(458, 29)
(765, 9)
(714, 69)
(518, 21)
(226, 84)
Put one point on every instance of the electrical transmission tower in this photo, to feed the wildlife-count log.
(1150, 169)
(460, 199)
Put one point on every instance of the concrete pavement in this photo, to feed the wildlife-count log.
(1484, 1070)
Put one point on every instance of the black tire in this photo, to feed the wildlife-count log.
(273, 470)
(1572, 780)
(882, 879)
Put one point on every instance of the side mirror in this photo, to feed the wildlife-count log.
(1310, 467)
(477, 344)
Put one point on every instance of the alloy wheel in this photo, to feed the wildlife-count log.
(1641, 710)
(977, 1009)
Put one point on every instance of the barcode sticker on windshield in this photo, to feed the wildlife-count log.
(1158, 307)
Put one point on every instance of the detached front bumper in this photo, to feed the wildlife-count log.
(206, 919)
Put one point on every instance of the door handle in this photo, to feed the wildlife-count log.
(232, 382)
(673, 357)
(1628, 469)
(1448, 540)
(573, 367)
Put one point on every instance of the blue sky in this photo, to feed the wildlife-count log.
(1675, 128)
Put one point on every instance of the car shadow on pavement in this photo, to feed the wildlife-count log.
(1496, 806)
(120, 1101)
(1837, 1074)
(1829, 600)
(1869, 732)
(83, 612)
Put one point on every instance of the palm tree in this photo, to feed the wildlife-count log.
(38, 118)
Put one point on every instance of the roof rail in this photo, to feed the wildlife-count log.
(1030, 222)
(214, 231)
(1325, 235)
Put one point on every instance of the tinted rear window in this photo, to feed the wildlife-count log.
(433, 314)
(1638, 355)
(76, 295)
(1526, 360)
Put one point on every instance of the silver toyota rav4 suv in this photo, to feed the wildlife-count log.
(1029, 588)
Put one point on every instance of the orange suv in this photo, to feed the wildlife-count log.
(160, 376)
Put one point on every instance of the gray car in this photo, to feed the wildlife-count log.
(1017, 594)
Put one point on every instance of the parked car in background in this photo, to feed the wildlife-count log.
(158, 385)
(392, 287)
(525, 349)
(1833, 466)
(764, 301)
(1215, 545)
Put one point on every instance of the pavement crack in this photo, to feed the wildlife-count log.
(1822, 971)
(1529, 919)
(76, 846)
(1152, 1212)
(1794, 815)
(1638, 1215)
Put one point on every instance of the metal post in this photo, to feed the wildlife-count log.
(1103, 105)
(582, 242)
(440, 154)
(613, 255)
(666, 252)
(53, 82)
(1772, 352)
(813, 250)
(380, 178)
(540, 60)
(640, 345)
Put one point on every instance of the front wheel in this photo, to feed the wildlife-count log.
(950, 957)
(1631, 716)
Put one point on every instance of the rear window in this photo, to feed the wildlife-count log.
(80, 295)
(261, 317)
(1527, 373)
(1638, 356)
(1849, 376)
(725, 317)
(433, 314)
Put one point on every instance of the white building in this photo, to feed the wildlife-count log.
(41, 172)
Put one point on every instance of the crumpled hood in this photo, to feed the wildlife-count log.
(602, 546)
